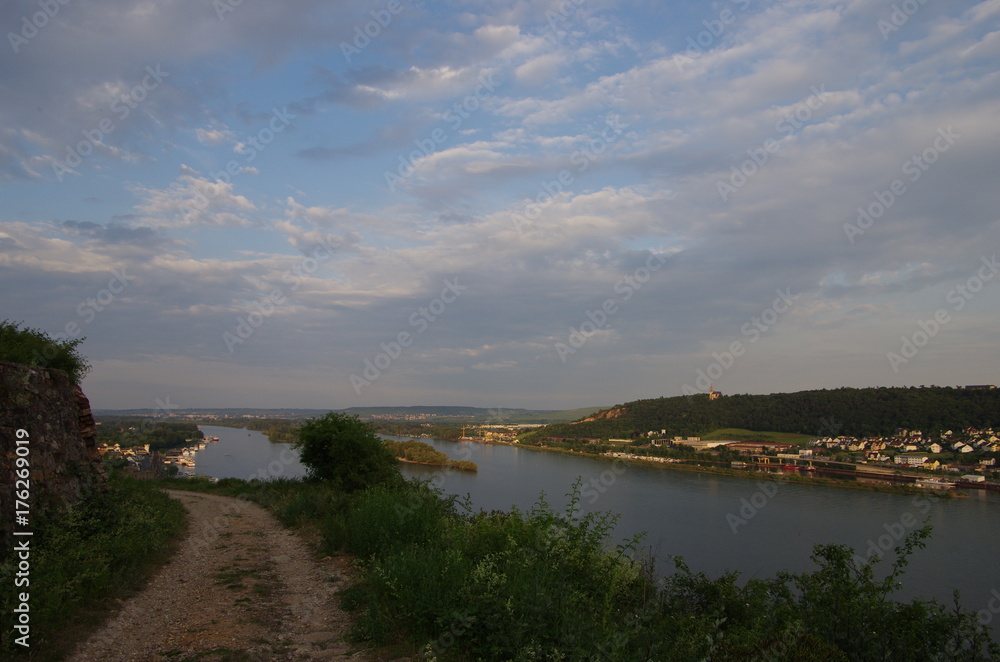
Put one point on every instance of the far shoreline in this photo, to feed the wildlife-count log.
(761, 475)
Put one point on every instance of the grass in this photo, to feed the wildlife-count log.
(84, 559)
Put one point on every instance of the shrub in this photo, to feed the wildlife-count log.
(343, 450)
(33, 347)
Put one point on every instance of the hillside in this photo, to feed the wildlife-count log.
(460, 415)
(843, 411)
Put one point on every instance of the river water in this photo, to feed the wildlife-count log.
(716, 523)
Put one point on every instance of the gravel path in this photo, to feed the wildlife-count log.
(240, 588)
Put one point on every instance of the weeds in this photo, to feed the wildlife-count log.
(86, 556)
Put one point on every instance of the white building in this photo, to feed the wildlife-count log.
(910, 460)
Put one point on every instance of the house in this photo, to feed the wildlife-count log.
(910, 460)
(935, 448)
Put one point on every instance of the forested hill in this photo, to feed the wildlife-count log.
(843, 411)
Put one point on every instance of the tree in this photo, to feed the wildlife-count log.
(343, 450)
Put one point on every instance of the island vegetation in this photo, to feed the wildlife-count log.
(418, 452)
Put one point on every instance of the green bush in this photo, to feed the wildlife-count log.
(35, 348)
(346, 452)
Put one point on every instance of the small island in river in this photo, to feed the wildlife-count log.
(417, 452)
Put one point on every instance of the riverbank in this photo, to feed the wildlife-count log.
(686, 466)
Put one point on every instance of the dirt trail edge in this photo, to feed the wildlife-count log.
(240, 588)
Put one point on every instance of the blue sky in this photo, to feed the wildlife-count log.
(528, 203)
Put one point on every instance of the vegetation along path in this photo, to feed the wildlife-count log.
(240, 587)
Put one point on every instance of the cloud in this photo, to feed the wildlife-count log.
(520, 197)
(215, 136)
(194, 200)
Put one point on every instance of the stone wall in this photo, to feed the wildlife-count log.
(62, 439)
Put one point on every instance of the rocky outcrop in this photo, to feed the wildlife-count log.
(614, 412)
(46, 408)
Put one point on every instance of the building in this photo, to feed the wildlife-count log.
(759, 446)
(910, 460)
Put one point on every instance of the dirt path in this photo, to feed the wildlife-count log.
(240, 588)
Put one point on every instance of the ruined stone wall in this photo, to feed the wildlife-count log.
(62, 439)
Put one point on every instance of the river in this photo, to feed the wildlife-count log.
(716, 523)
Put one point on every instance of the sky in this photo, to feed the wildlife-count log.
(525, 203)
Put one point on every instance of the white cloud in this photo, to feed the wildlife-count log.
(194, 200)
